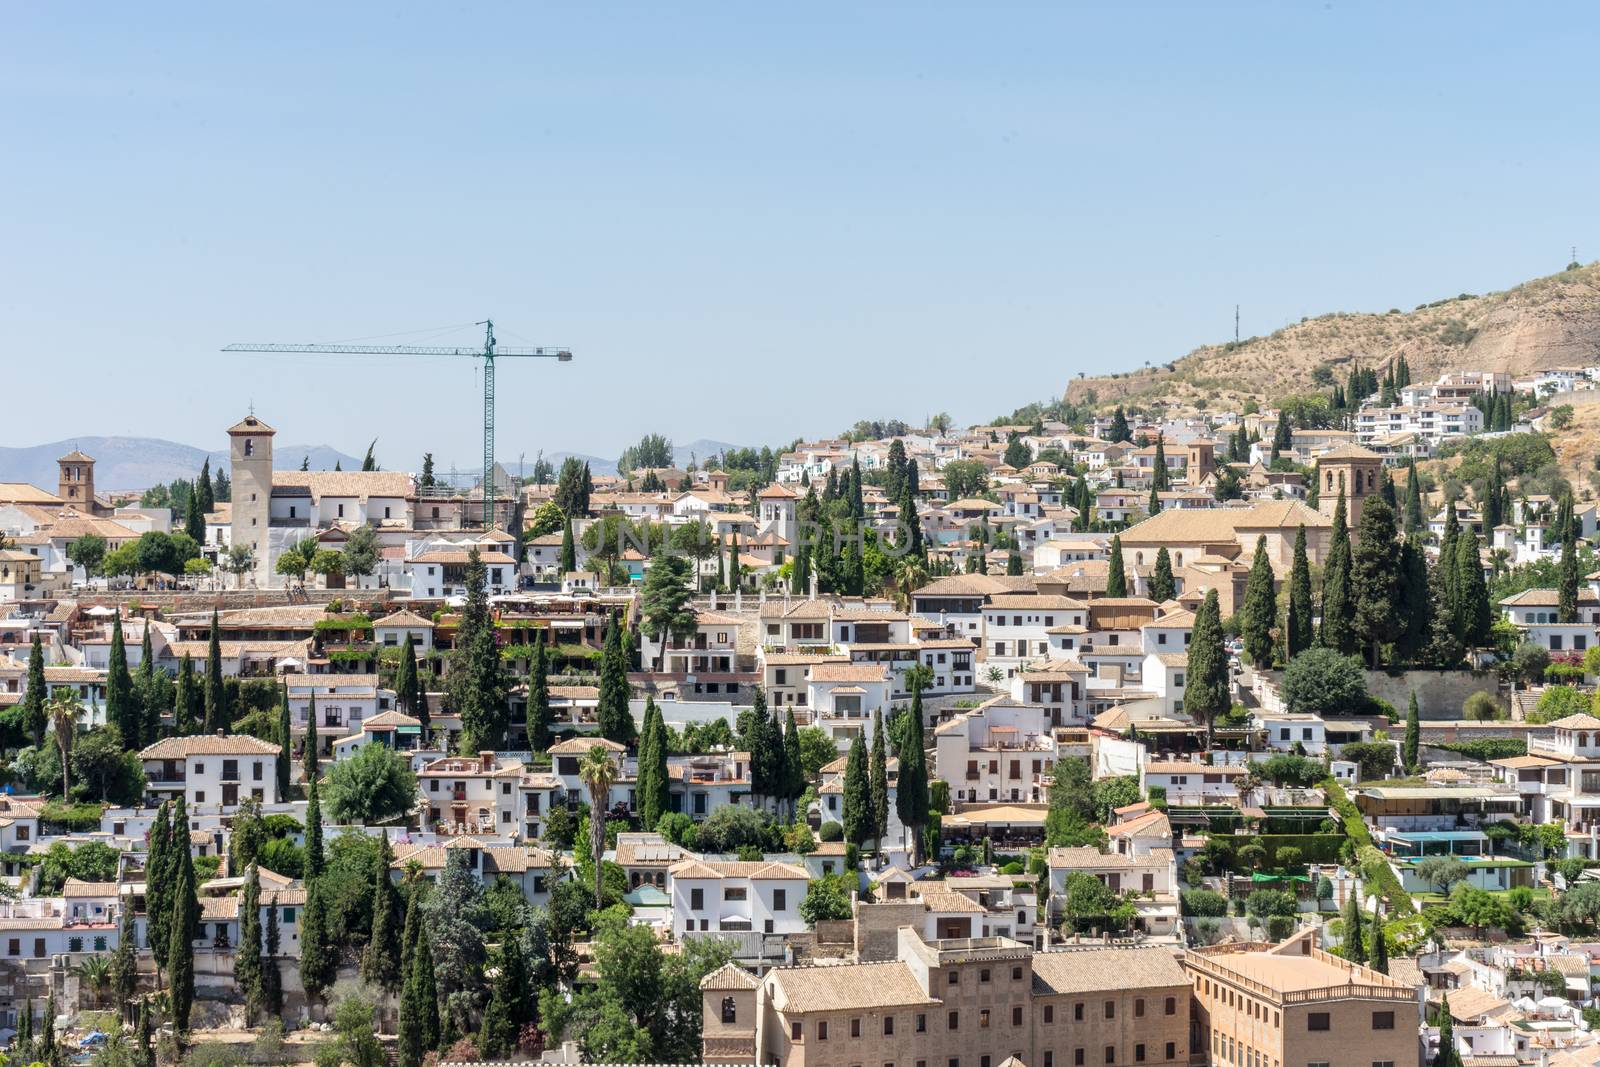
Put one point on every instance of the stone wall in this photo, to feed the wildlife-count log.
(1440, 694)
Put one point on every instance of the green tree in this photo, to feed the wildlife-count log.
(1354, 949)
(372, 787)
(1473, 614)
(1409, 749)
(1338, 603)
(1321, 681)
(510, 1003)
(1442, 871)
(568, 561)
(1119, 430)
(1260, 608)
(1449, 1055)
(1163, 587)
(879, 780)
(1161, 478)
(1298, 634)
(911, 788)
(477, 680)
(319, 959)
(361, 551)
(122, 710)
(665, 603)
(858, 816)
(285, 760)
(247, 960)
(1116, 572)
(89, 551)
(1413, 506)
(1376, 581)
(380, 961)
(1567, 590)
(1206, 693)
(598, 773)
(538, 724)
(34, 717)
(217, 718)
(613, 715)
(183, 924)
(653, 788)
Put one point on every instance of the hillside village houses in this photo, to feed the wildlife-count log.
(1085, 888)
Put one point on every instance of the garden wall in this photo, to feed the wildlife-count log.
(1440, 694)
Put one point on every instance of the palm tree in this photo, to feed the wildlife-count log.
(64, 719)
(910, 575)
(95, 971)
(598, 774)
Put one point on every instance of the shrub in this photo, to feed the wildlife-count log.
(1321, 681)
(1481, 706)
(831, 831)
(1557, 702)
(1204, 902)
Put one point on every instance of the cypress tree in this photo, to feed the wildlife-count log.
(380, 962)
(477, 677)
(509, 1003)
(911, 788)
(1163, 586)
(316, 859)
(285, 761)
(215, 698)
(614, 718)
(1375, 581)
(319, 961)
(124, 978)
(183, 923)
(880, 781)
(311, 755)
(407, 688)
(25, 1025)
(660, 783)
(1338, 608)
(538, 725)
(158, 857)
(1567, 594)
(800, 573)
(1354, 949)
(184, 721)
(34, 716)
(247, 960)
(1260, 608)
(858, 815)
(1116, 573)
(47, 1036)
(735, 576)
(271, 978)
(1473, 614)
(144, 1050)
(194, 521)
(794, 767)
(144, 688)
(1449, 1055)
(1153, 507)
(1413, 739)
(412, 1042)
(1206, 691)
(1447, 560)
(645, 787)
(122, 710)
(1414, 519)
(427, 995)
(208, 501)
(1298, 626)
(1416, 604)
(1160, 480)
(1014, 562)
(569, 548)
(909, 516)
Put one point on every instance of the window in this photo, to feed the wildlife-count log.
(1016, 972)
(983, 975)
(697, 899)
(922, 1023)
(1172, 1006)
(1016, 1015)
(1049, 1013)
(1383, 1020)
(1111, 1054)
(1138, 1054)
(732, 893)
(730, 1011)
(1111, 1009)
(955, 978)
(983, 1019)
(1317, 1020)
(1049, 1059)
(1077, 1057)
(1172, 1050)
(954, 1021)
(888, 1026)
(1077, 1012)
(74, 944)
(855, 1027)
(780, 900)
(199, 796)
(796, 1031)
(1317, 1063)
(822, 1031)
(1138, 1008)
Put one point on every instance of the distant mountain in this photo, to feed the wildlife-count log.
(140, 462)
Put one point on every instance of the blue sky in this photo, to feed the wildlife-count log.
(750, 222)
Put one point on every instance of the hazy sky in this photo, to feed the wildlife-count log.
(749, 221)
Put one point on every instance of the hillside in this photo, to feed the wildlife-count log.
(140, 462)
(1547, 322)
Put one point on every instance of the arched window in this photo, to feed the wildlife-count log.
(249, 447)
(1583, 740)
(730, 1012)
(1138, 559)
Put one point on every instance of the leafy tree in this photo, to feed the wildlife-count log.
(1206, 691)
(1443, 871)
(374, 786)
(573, 487)
(1260, 608)
(1375, 758)
(361, 551)
(1338, 603)
(1116, 572)
(89, 551)
(1163, 586)
(1557, 702)
(827, 899)
(665, 603)
(1322, 681)
(733, 827)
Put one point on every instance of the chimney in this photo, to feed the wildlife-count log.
(738, 599)
(486, 761)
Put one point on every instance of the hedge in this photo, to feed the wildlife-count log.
(1382, 876)
(1314, 848)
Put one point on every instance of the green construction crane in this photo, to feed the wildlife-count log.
(488, 354)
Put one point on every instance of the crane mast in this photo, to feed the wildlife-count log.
(488, 354)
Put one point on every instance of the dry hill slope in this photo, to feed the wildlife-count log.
(1547, 322)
